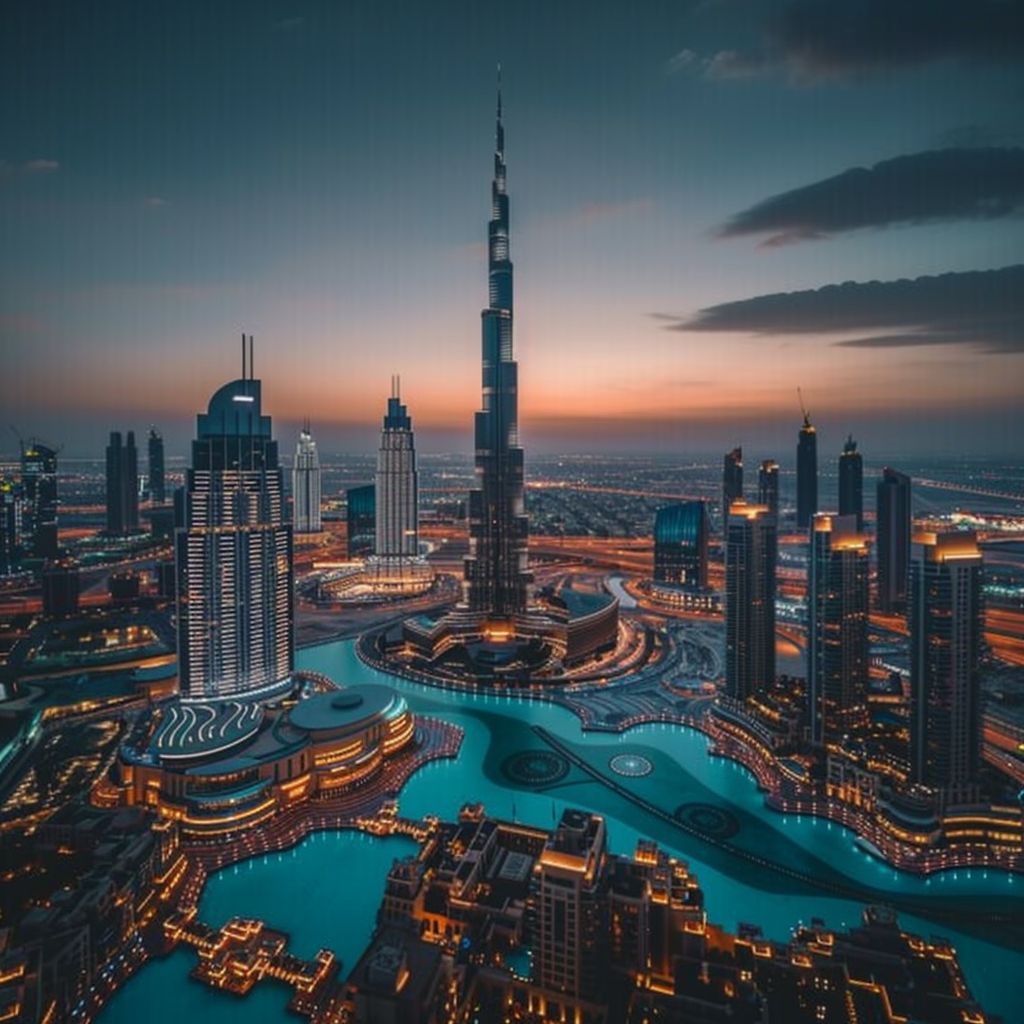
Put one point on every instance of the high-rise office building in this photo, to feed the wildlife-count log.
(571, 908)
(806, 474)
(306, 485)
(732, 481)
(157, 477)
(892, 540)
(837, 628)
(9, 555)
(768, 486)
(750, 553)
(361, 520)
(681, 544)
(234, 553)
(397, 486)
(122, 485)
(496, 569)
(851, 482)
(39, 500)
(945, 650)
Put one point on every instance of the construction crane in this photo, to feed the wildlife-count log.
(803, 408)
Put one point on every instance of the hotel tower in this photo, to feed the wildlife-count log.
(233, 553)
(397, 494)
(496, 572)
(306, 484)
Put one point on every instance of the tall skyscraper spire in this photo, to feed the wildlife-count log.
(496, 567)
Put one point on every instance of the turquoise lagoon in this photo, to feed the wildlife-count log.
(325, 891)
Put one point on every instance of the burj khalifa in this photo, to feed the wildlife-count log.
(496, 571)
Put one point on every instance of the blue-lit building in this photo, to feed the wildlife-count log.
(681, 544)
(156, 470)
(361, 519)
(233, 553)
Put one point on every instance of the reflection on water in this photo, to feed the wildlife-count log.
(326, 891)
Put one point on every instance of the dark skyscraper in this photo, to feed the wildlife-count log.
(361, 519)
(680, 544)
(837, 628)
(892, 541)
(768, 486)
(945, 650)
(39, 493)
(234, 554)
(806, 474)
(496, 569)
(851, 482)
(157, 482)
(732, 481)
(122, 485)
(750, 550)
(9, 555)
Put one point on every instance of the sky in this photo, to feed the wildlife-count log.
(713, 203)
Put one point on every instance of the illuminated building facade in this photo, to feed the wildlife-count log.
(397, 494)
(945, 649)
(9, 554)
(571, 953)
(234, 554)
(806, 474)
(750, 552)
(496, 571)
(768, 486)
(851, 482)
(732, 481)
(157, 471)
(39, 495)
(220, 768)
(837, 628)
(122, 484)
(892, 540)
(681, 544)
(306, 485)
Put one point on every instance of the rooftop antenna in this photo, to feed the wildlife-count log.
(252, 372)
(243, 355)
(803, 408)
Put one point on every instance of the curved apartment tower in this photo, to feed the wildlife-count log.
(233, 554)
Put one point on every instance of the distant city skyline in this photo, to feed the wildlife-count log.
(715, 203)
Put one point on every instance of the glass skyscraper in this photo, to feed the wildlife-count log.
(768, 486)
(39, 501)
(157, 480)
(397, 489)
(732, 481)
(496, 570)
(680, 544)
(806, 474)
(750, 552)
(945, 621)
(122, 484)
(306, 485)
(851, 482)
(837, 628)
(234, 554)
(892, 531)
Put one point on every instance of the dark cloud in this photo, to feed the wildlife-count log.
(941, 184)
(983, 308)
(826, 37)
